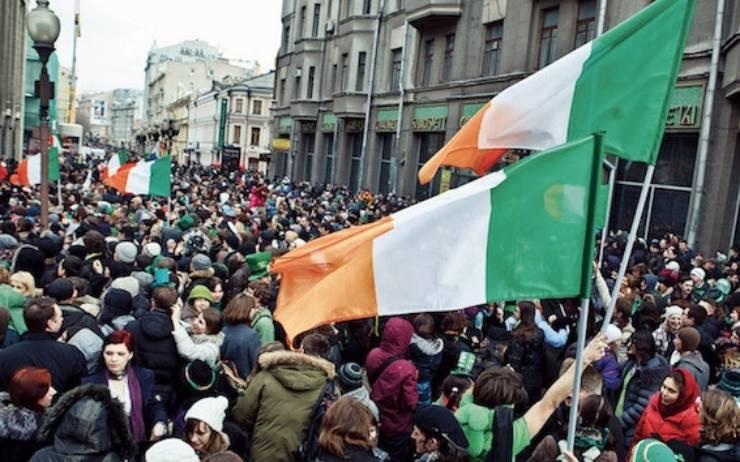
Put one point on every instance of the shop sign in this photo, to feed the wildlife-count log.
(308, 127)
(685, 109)
(430, 119)
(354, 125)
(387, 121)
(284, 125)
(328, 122)
(469, 111)
(281, 144)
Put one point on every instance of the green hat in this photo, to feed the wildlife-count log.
(186, 222)
(200, 292)
(465, 363)
(651, 450)
(258, 263)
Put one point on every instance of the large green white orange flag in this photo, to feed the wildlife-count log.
(619, 83)
(28, 172)
(522, 232)
(144, 177)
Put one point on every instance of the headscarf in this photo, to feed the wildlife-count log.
(686, 398)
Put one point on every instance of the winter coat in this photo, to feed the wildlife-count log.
(610, 371)
(76, 317)
(204, 347)
(14, 302)
(241, 345)
(278, 401)
(86, 424)
(695, 364)
(663, 341)
(263, 325)
(426, 354)
(683, 426)
(395, 390)
(18, 427)
(40, 349)
(526, 357)
(645, 382)
(352, 453)
(155, 349)
(363, 395)
(723, 452)
(153, 409)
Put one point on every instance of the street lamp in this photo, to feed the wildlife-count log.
(43, 27)
(170, 129)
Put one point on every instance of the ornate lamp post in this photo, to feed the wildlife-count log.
(43, 27)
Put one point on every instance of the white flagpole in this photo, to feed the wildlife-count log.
(630, 243)
(580, 344)
(605, 232)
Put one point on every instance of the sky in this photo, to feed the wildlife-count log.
(117, 34)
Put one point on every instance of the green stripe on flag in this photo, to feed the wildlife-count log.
(159, 180)
(122, 156)
(541, 224)
(626, 84)
(53, 164)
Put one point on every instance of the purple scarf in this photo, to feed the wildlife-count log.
(136, 419)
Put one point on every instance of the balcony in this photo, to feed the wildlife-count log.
(349, 104)
(422, 13)
(304, 109)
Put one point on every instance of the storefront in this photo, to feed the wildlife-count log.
(281, 147)
(670, 193)
(386, 124)
(328, 143)
(308, 141)
(353, 129)
(429, 125)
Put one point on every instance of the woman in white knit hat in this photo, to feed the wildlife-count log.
(665, 333)
(204, 426)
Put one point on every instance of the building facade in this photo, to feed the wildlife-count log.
(62, 93)
(230, 125)
(13, 59)
(367, 112)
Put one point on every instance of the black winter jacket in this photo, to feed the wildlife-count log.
(646, 381)
(526, 357)
(155, 348)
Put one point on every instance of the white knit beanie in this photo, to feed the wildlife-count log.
(613, 333)
(171, 450)
(698, 272)
(212, 411)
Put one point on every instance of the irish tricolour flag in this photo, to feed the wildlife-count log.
(522, 232)
(619, 84)
(145, 177)
(28, 172)
(114, 163)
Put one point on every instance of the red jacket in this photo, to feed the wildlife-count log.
(395, 390)
(683, 426)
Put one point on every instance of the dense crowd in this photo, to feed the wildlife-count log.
(138, 328)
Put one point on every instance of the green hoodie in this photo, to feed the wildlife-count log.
(14, 302)
(262, 323)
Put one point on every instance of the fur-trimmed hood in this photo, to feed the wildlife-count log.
(86, 421)
(17, 423)
(203, 274)
(429, 347)
(297, 371)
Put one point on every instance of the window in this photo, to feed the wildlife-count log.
(345, 71)
(302, 24)
(348, 8)
(426, 73)
(257, 107)
(239, 105)
(492, 51)
(237, 134)
(396, 56)
(355, 149)
(311, 76)
(286, 38)
(429, 144)
(308, 145)
(360, 84)
(386, 141)
(367, 6)
(297, 86)
(548, 37)
(334, 78)
(586, 24)
(329, 168)
(282, 91)
(316, 17)
(254, 139)
(449, 51)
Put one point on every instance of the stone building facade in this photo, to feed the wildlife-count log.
(12, 64)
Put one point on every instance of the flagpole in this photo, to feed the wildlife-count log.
(580, 344)
(630, 243)
(605, 232)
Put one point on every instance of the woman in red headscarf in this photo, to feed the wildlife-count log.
(672, 414)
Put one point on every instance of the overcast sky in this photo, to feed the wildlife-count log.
(117, 34)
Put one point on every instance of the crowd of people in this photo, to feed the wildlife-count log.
(141, 328)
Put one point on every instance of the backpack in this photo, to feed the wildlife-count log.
(309, 449)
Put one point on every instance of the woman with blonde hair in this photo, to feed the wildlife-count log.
(346, 433)
(23, 282)
(720, 421)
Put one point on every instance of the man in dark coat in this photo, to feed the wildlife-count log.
(63, 291)
(39, 348)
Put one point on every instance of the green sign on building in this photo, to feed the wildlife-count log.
(387, 120)
(284, 125)
(328, 122)
(469, 111)
(686, 106)
(430, 119)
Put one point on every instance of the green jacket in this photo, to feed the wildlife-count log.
(278, 401)
(263, 325)
(13, 301)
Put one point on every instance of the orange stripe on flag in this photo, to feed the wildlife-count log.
(329, 279)
(21, 174)
(119, 180)
(462, 151)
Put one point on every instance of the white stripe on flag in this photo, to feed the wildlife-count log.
(34, 169)
(139, 178)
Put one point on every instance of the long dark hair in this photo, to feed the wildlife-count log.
(526, 330)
